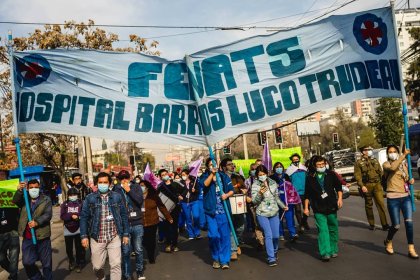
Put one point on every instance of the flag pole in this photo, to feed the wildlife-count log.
(404, 104)
(16, 140)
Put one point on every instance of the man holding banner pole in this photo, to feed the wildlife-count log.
(41, 213)
(217, 213)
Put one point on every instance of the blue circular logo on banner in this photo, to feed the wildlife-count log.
(371, 33)
(32, 70)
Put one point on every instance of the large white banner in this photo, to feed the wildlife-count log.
(213, 94)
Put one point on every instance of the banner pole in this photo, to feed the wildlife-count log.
(404, 105)
(16, 140)
(219, 183)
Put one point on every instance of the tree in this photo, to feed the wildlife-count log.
(387, 121)
(413, 74)
(50, 149)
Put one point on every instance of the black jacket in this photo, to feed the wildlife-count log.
(133, 200)
(313, 192)
(172, 191)
(9, 219)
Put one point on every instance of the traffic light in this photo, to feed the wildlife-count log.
(226, 150)
(262, 138)
(278, 138)
(335, 138)
(132, 160)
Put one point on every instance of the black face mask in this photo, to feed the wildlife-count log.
(295, 163)
(79, 185)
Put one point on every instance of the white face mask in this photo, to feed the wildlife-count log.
(33, 193)
(370, 153)
(262, 178)
(393, 156)
(184, 178)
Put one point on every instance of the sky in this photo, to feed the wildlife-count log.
(175, 43)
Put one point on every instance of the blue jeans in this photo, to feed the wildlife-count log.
(395, 206)
(219, 237)
(192, 216)
(270, 227)
(136, 236)
(9, 253)
(290, 221)
(32, 253)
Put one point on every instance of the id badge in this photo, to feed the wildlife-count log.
(324, 195)
(406, 187)
(133, 214)
(3, 223)
(110, 218)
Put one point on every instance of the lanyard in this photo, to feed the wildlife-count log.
(321, 182)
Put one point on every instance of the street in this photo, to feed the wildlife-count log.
(361, 255)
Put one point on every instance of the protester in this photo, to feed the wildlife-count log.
(182, 220)
(132, 197)
(238, 220)
(368, 172)
(288, 196)
(398, 198)
(200, 202)
(41, 210)
(216, 215)
(189, 204)
(70, 214)
(9, 241)
(80, 185)
(323, 191)
(151, 204)
(104, 220)
(297, 173)
(266, 198)
(174, 192)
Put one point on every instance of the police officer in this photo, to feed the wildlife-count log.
(368, 172)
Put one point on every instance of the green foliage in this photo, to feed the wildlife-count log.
(388, 122)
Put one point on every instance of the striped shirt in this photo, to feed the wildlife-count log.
(107, 227)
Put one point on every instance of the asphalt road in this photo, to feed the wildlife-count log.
(361, 256)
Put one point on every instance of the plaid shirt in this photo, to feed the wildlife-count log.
(107, 228)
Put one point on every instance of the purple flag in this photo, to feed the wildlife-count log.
(195, 167)
(150, 176)
(266, 158)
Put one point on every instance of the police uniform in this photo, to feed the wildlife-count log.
(368, 172)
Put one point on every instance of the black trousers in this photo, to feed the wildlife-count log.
(171, 230)
(70, 240)
(149, 242)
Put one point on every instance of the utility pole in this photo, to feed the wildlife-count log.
(1, 135)
(245, 146)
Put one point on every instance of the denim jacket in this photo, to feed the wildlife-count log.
(91, 215)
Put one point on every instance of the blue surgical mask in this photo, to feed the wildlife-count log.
(166, 178)
(279, 170)
(321, 169)
(33, 193)
(143, 189)
(252, 173)
(262, 178)
(103, 188)
(73, 198)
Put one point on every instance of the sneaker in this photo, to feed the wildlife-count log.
(325, 258)
(301, 229)
(168, 249)
(281, 238)
(161, 241)
(295, 238)
(239, 251)
(334, 255)
(198, 237)
(272, 263)
(175, 249)
(78, 269)
(140, 276)
(190, 238)
(225, 266)
(71, 266)
(216, 265)
(233, 256)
